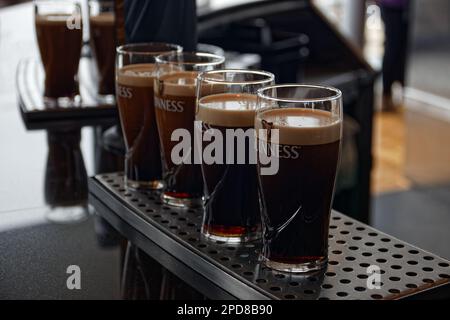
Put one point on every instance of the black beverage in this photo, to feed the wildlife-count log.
(231, 188)
(297, 199)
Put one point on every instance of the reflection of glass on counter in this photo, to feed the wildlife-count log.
(65, 177)
(144, 278)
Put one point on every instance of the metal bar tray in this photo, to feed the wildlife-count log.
(221, 270)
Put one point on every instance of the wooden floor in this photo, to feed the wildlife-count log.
(389, 153)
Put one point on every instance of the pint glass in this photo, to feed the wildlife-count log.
(135, 72)
(59, 36)
(175, 101)
(226, 109)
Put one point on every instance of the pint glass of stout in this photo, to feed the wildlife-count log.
(103, 45)
(175, 103)
(59, 36)
(135, 73)
(226, 109)
(299, 127)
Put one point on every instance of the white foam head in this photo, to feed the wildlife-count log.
(227, 110)
(299, 126)
(137, 75)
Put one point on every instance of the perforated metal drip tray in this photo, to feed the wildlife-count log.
(405, 270)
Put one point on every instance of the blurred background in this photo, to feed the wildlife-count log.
(411, 169)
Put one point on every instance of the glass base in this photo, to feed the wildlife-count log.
(151, 185)
(247, 237)
(181, 202)
(310, 266)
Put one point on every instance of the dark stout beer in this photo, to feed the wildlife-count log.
(231, 190)
(102, 29)
(297, 200)
(175, 100)
(137, 114)
(60, 49)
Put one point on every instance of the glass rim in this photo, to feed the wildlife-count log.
(128, 48)
(220, 59)
(269, 76)
(337, 93)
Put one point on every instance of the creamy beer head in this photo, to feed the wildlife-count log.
(137, 75)
(298, 126)
(227, 110)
